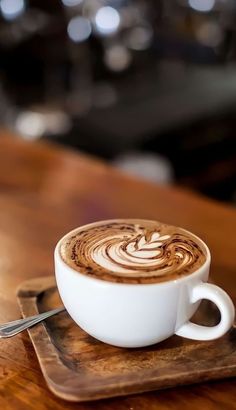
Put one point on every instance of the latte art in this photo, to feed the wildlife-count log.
(132, 251)
(126, 256)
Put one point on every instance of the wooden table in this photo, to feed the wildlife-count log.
(44, 192)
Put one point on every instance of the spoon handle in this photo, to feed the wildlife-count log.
(13, 328)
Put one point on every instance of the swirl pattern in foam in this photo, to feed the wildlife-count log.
(132, 251)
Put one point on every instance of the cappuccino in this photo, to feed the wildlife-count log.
(132, 251)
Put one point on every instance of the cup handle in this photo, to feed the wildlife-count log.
(222, 301)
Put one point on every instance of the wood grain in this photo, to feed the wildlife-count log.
(46, 191)
(78, 367)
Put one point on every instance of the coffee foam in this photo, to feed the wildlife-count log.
(132, 251)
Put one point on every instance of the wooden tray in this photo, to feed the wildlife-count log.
(79, 368)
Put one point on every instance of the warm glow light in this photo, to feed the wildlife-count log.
(210, 34)
(139, 38)
(202, 5)
(107, 20)
(79, 29)
(117, 58)
(32, 125)
(11, 9)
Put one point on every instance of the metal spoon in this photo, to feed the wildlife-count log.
(13, 328)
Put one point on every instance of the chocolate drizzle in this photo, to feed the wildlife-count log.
(132, 251)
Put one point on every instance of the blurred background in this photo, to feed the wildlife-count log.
(150, 86)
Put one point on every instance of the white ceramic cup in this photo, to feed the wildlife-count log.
(135, 315)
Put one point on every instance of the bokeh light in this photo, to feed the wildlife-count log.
(202, 5)
(107, 20)
(117, 58)
(210, 34)
(79, 29)
(11, 9)
(139, 38)
(71, 3)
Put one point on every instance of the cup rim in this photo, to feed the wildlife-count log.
(57, 256)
